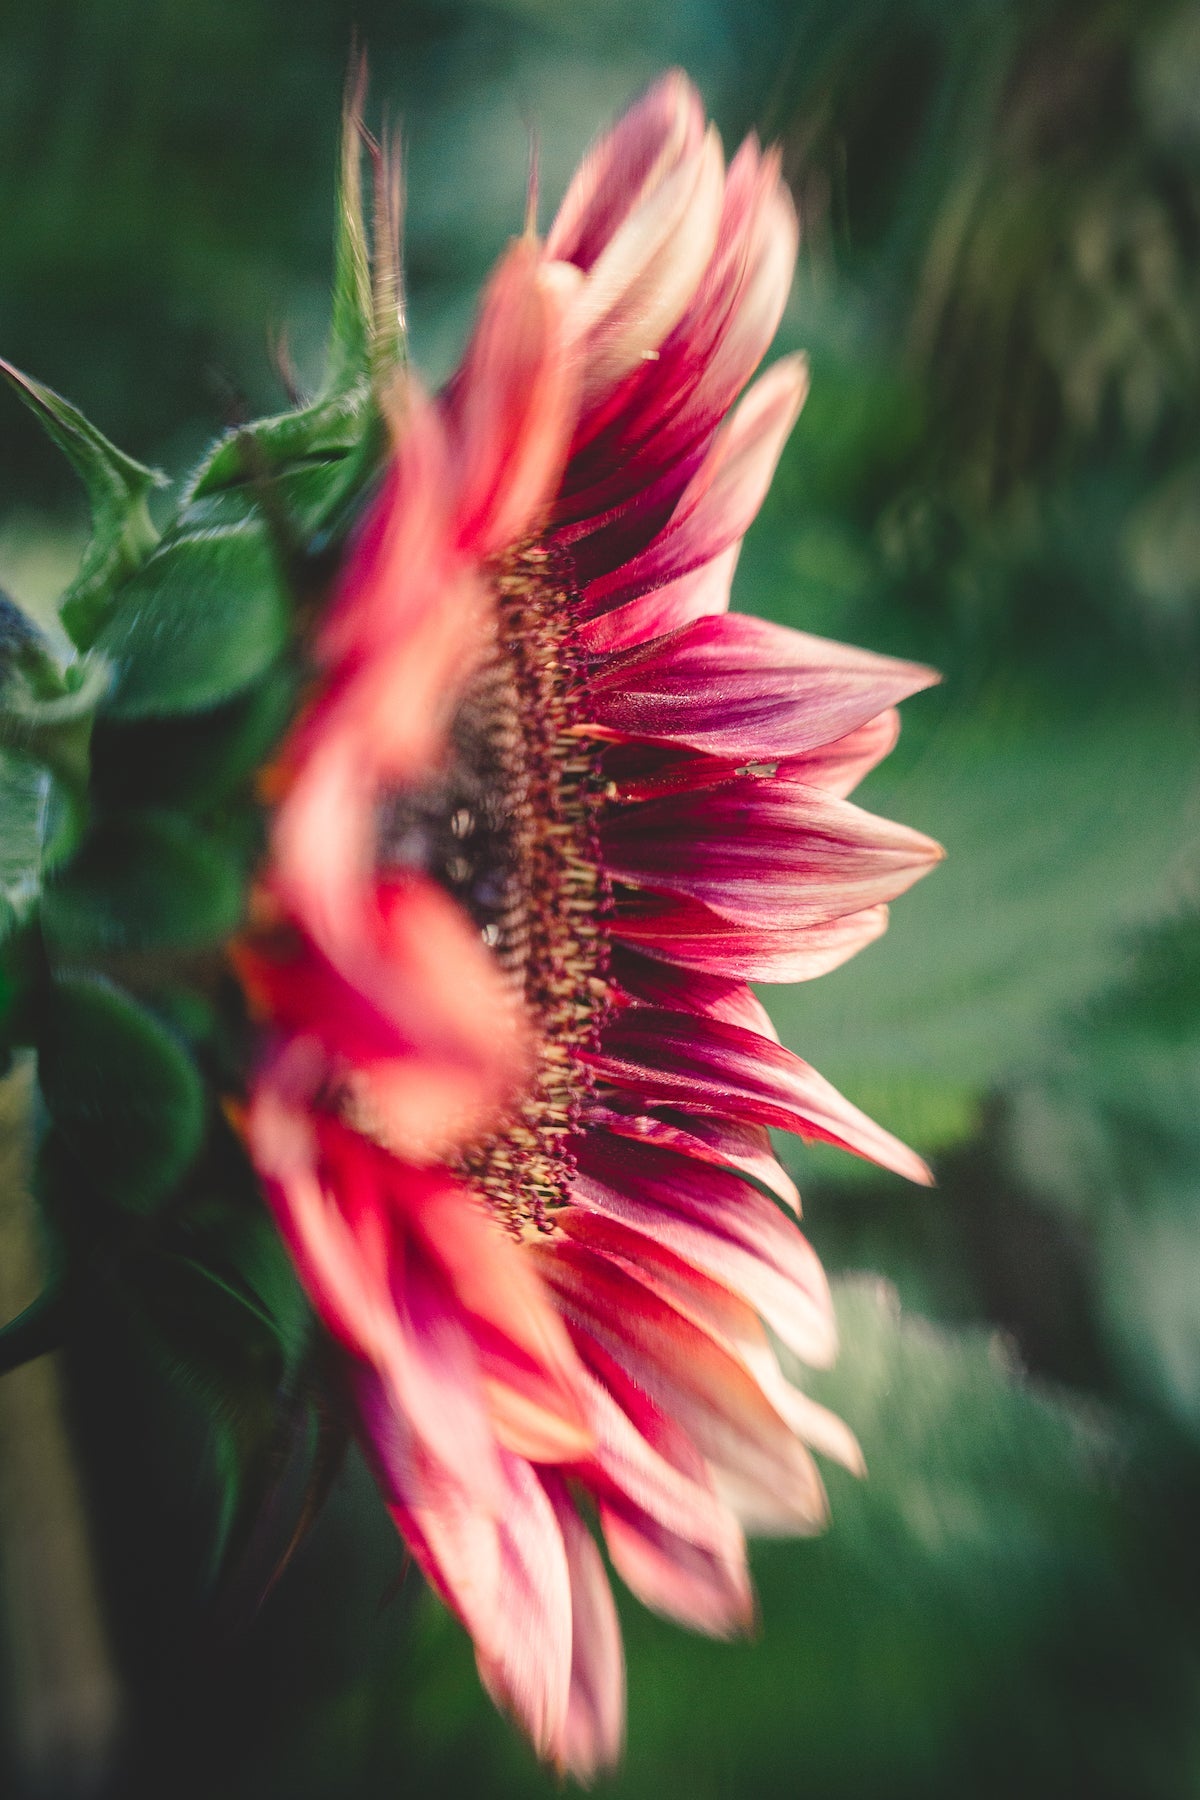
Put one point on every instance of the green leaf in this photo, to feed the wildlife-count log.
(196, 760)
(117, 489)
(25, 799)
(230, 1326)
(125, 1097)
(198, 623)
(39, 824)
(143, 882)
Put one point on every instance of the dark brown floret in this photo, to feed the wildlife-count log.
(510, 829)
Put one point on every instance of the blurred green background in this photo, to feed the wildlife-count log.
(999, 472)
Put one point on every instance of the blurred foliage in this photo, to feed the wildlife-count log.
(998, 471)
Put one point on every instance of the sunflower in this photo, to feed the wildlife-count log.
(548, 810)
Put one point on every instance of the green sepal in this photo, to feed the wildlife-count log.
(229, 1323)
(387, 282)
(29, 670)
(24, 798)
(348, 356)
(117, 489)
(308, 463)
(124, 1096)
(302, 469)
(49, 714)
(143, 881)
(202, 619)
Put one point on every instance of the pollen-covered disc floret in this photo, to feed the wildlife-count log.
(550, 809)
(543, 884)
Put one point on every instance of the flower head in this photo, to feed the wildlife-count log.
(549, 809)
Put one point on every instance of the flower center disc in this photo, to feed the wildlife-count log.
(511, 833)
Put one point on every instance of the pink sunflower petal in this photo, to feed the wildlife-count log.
(719, 1224)
(722, 499)
(509, 407)
(390, 577)
(838, 767)
(670, 1574)
(634, 772)
(386, 999)
(696, 1381)
(526, 1662)
(334, 1204)
(642, 1455)
(640, 283)
(671, 404)
(593, 1731)
(725, 1317)
(721, 342)
(693, 596)
(625, 164)
(528, 1369)
(730, 1143)
(676, 1546)
(739, 687)
(436, 1507)
(689, 934)
(650, 983)
(766, 852)
(704, 1065)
